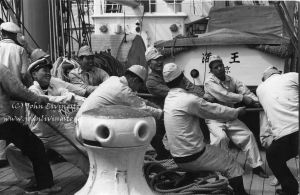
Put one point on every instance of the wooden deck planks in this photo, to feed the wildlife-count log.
(71, 178)
(267, 188)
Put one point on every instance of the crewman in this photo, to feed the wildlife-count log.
(279, 96)
(12, 54)
(227, 91)
(19, 134)
(182, 111)
(38, 54)
(40, 72)
(157, 86)
(121, 91)
(14, 57)
(87, 76)
(155, 82)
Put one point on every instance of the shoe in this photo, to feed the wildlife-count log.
(33, 190)
(260, 172)
(280, 192)
(28, 183)
(3, 163)
(274, 182)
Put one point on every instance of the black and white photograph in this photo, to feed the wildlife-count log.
(149, 97)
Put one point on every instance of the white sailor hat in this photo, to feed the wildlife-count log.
(269, 72)
(171, 71)
(10, 27)
(138, 70)
(214, 58)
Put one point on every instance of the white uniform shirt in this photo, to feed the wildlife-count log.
(181, 117)
(70, 87)
(14, 57)
(228, 92)
(55, 94)
(115, 91)
(279, 96)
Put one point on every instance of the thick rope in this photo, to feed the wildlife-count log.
(164, 177)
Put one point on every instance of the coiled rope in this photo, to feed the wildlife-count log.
(165, 177)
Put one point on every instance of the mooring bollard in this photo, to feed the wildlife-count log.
(116, 139)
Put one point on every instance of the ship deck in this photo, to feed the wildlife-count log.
(71, 179)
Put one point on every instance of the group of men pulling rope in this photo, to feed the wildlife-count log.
(181, 110)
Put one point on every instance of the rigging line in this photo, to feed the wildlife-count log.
(88, 12)
(72, 17)
(62, 27)
(88, 38)
(69, 28)
(204, 76)
(81, 20)
(89, 29)
(22, 24)
(124, 28)
(22, 13)
(3, 13)
(50, 30)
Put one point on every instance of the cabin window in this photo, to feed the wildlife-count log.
(149, 5)
(175, 5)
(111, 7)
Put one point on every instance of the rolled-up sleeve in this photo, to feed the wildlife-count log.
(203, 109)
(221, 94)
(244, 90)
(131, 99)
(15, 88)
(76, 80)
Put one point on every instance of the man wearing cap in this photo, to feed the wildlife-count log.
(87, 76)
(155, 82)
(157, 86)
(228, 91)
(40, 71)
(279, 96)
(19, 134)
(39, 54)
(121, 91)
(182, 111)
(14, 57)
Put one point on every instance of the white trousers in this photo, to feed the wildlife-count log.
(22, 167)
(222, 132)
(215, 159)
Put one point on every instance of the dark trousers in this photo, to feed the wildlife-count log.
(278, 153)
(157, 142)
(21, 136)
